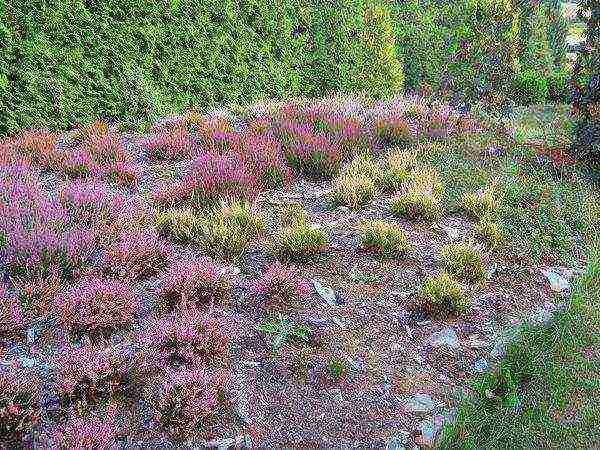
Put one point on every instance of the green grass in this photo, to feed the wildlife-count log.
(551, 384)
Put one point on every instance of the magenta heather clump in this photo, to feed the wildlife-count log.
(264, 156)
(97, 306)
(92, 374)
(171, 145)
(189, 397)
(187, 337)
(89, 433)
(138, 254)
(280, 285)
(194, 283)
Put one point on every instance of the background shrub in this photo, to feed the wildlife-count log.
(65, 62)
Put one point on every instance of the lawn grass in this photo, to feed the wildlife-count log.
(556, 380)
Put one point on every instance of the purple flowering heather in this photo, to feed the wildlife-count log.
(138, 254)
(97, 307)
(90, 433)
(12, 320)
(264, 156)
(187, 337)
(171, 145)
(280, 285)
(187, 398)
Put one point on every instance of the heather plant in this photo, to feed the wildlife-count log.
(480, 204)
(383, 238)
(440, 295)
(138, 255)
(352, 191)
(91, 204)
(92, 374)
(19, 400)
(171, 145)
(187, 399)
(88, 433)
(123, 173)
(193, 282)
(397, 169)
(12, 318)
(37, 147)
(179, 224)
(310, 154)
(187, 337)
(97, 307)
(417, 204)
(280, 285)
(299, 241)
(464, 261)
(230, 228)
(264, 157)
(491, 232)
(395, 131)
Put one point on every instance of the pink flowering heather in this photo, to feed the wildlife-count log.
(170, 145)
(93, 374)
(19, 399)
(91, 202)
(311, 154)
(208, 129)
(280, 285)
(395, 130)
(79, 163)
(188, 398)
(97, 307)
(213, 177)
(39, 146)
(123, 173)
(89, 433)
(12, 319)
(193, 282)
(187, 337)
(105, 148)
(264, 157)
(441, 121)
(138, 254)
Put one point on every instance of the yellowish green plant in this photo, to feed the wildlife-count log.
(491, 233)
(464, 261)
(383, 238)
(479, 204)
(352, 191)
(180, 224)
(299, 241)
(442, 295)
(397, 169)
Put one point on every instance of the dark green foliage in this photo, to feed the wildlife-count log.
(67, 61)
(586, 81)
(530, 86)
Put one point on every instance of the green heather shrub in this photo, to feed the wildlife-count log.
(230, 228)
(442, 295)
(178, 224)
(299, 241)
(385, 239)
(352, 191)
(491, 233)
(66, 62)
(480, 204)
(397, 169)
(464, 261)
(417, 204)
(530, 86)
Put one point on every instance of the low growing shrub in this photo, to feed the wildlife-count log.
(464, 261)
(193, 282)
(299, 241)
(280, 285)
(491, 232)
(12, 320)
(480, 204)
(19, 400)
(417, 204)
(385, 239)
(189, 398)
(91, 432)
(93, 374)
(442, 295)
(97, 307)
(352, 191)
(395, 131)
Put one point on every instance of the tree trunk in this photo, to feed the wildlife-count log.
(586, 87)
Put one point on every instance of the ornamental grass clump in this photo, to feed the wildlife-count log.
(383, 238)
(480, 204)
(442, 295)
(299, 241)
(188, 399)
(179, 224)
(189, 282)
(94, 374)
(491, 232)
(280, 285)
(464, 261)
(97, 307)
(421, 199)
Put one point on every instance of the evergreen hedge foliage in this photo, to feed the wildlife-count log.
(68, 61)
